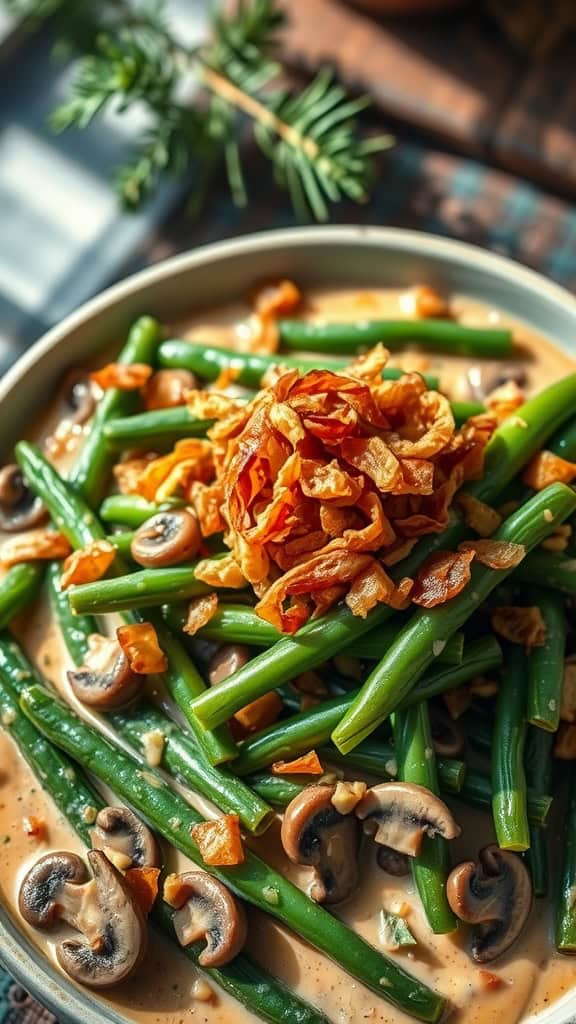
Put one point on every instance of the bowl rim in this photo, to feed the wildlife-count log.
(30, 968)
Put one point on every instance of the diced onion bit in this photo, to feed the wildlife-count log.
(88, 564)
(308, 764)
(200, 611)
(520, 625)
(37, 545)
(140, 645)
(123, 376)
(496, 554)
(547, 468)
(347, 795)
(220, 841)
(153, 747)
(318, 482)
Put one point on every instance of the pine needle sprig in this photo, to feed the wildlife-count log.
(131, 57)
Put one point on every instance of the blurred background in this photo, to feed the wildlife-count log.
(481, 98)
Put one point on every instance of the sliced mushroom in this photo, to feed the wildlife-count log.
(228, 659)
(102, 908)
(106, 680)
(496, 895)
(392, 862)
(400, 814)
(484, 378)
(206, 909)
(119, 829)
(20, 509)
(315, 833)
(448, 738)
(79, 399)
(166, 539)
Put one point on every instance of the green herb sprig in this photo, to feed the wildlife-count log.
(132, 58)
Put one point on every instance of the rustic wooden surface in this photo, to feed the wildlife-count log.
(455, 77)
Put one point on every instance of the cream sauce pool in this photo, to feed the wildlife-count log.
(168, 988)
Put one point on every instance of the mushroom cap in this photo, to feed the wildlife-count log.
(115, 929)
(120, 829)
(20, 509)
(79, 398)
(206, 909)
(106, 681)
(227, 660)
(400, 814)
(496, 895)
(448, 737)
(167, 538)
(394, 863)
(41, 890)
(314, 832)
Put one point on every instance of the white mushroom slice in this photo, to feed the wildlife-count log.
(314, 832)
(121, 830)
(206, 909)
(400, 814)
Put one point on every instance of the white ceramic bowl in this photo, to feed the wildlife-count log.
(361, 256)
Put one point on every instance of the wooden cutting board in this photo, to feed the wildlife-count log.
(454, 77)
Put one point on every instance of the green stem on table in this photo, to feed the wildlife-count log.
(91, 471)
(252, 880)
(131, 509)
(546, 663)
(65, 783)
(208, 363)
(565, 916)
(18, 588)
(538, 768)
(509, 809)
(438, 335)
(156, 429)
(415, 646)
(417, 764)
(312, 728)
(510, 447)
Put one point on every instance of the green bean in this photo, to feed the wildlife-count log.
(68, 510)
(62, 779)
(550, 569)
(477, 792)
(507, 763)
(183, 758)
(240, 624)
(68, 788)
(538, 768)
(546, 663)
(565, 916)
(249, 368)
(131, 509)
(564, 441)
(417, 764)
(156, 429)
(148, 588)
(478, 730)
(278, 790)
(75, 629)
(18, 588)
(463, 411)
(438, 335)
(253, 880)
(512, 444)
(123, 541)
(417, 642)
(312, 728)
(91, 471)
(72, 514)
(379, 759)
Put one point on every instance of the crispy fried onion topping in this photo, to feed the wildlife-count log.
(321, 483)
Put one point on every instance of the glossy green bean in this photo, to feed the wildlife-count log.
(147, 588)
(417, 642)
(174, 818)
(549, 569)
(18, 588)
(157, 429)
(565, 915)
(91, 471)
(208, 363)
(546, 663)
(380, 759)
(477, 792)
(538, 768)
(509, 808)
(438, 335)
(131, 509)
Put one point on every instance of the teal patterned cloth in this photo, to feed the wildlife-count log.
(418, 188)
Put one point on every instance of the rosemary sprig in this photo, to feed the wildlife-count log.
(131, 57)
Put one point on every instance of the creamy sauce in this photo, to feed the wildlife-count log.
(532, 975)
